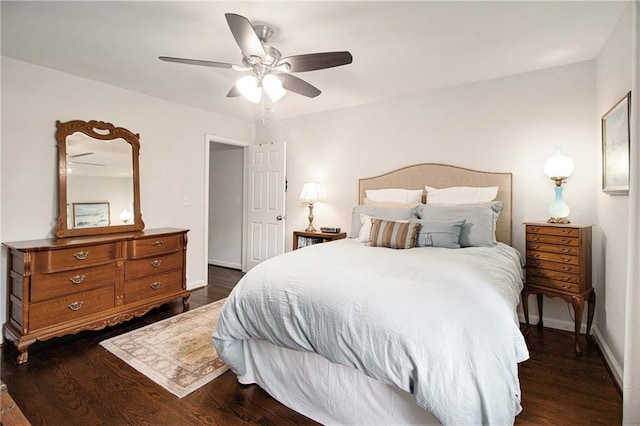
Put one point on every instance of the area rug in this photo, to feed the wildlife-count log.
(177, 352)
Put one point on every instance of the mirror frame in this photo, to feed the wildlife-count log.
(102, 131)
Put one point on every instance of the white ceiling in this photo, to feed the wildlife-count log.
(398, 48)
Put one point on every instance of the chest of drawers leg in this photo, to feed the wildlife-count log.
(559, 265)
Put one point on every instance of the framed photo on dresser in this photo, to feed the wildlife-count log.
(615, 148)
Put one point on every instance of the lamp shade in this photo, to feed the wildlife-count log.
(558, 166)
(125, 216)
(273, 86)
(310, 192)
(248, 87)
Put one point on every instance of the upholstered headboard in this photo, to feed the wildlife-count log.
(442, 176)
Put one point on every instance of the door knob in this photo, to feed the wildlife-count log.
(279, 217)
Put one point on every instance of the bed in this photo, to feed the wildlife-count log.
(348, 333)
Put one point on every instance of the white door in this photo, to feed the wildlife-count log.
(266, 198)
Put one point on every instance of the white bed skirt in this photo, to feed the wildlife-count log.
(328, 393)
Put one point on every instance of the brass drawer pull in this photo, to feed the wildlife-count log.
(77, 279)
(155, 285)
(566, 250)
(156, 263)
(565, 278)
(565, 241)
(535, 238)
(535, 247)
(566, 268)
(75, 305)
(81, 255)
(157, 243)
(535, 229)
(564, 287)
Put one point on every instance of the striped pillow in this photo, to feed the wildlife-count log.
(396, 235)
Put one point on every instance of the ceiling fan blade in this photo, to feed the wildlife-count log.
(87, 164)
(299, 86)
(195, 62)
(317, 61)
(245, 35)
(234, 92)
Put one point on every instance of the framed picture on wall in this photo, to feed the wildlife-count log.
(615, 148)
(89, 215)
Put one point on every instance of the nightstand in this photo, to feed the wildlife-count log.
(304, 238)
(559, 265)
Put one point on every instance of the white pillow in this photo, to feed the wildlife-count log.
(391, 204)
(365, 231)
(461, 195)
(396, 195)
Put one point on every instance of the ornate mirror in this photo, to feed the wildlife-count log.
(98, 179)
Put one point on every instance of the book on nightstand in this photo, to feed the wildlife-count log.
(329, 230)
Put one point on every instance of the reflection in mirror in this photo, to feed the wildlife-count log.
(95, 169)
(98, 182)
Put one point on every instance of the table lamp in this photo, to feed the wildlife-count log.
(558, 168)
(310, 194)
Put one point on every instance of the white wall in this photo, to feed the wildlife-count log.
(613, 81)
(171, 148)
(225, 205)
(510, 124)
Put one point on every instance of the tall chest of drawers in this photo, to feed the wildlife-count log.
(559, 265)
(64, 286)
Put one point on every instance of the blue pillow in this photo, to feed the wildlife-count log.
(386, 213)
(439, 234)
(479, 229)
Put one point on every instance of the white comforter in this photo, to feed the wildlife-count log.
(439, 323)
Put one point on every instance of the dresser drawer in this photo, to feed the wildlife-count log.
(553, 284)
(553, 239)
(554, 248)
(49, 286)
(52, 260)
(554, 275)
(151, 287)
(553, 230)
(75, 306)
(553, 257)
(152, 265)
(561, 267)
(153, 246)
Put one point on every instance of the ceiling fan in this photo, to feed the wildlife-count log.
(83, 162)
(269, 70)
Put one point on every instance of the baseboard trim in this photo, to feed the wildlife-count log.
(554, 323)
(225, 264)
(195, 285)
(614, 368)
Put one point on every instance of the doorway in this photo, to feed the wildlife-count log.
(225, 216)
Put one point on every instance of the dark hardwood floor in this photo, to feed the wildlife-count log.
(74, 381)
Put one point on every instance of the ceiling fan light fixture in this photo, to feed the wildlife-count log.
(249, 88)
(273, 86)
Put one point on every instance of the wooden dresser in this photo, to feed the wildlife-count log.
(559, 265)
(64, 286)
